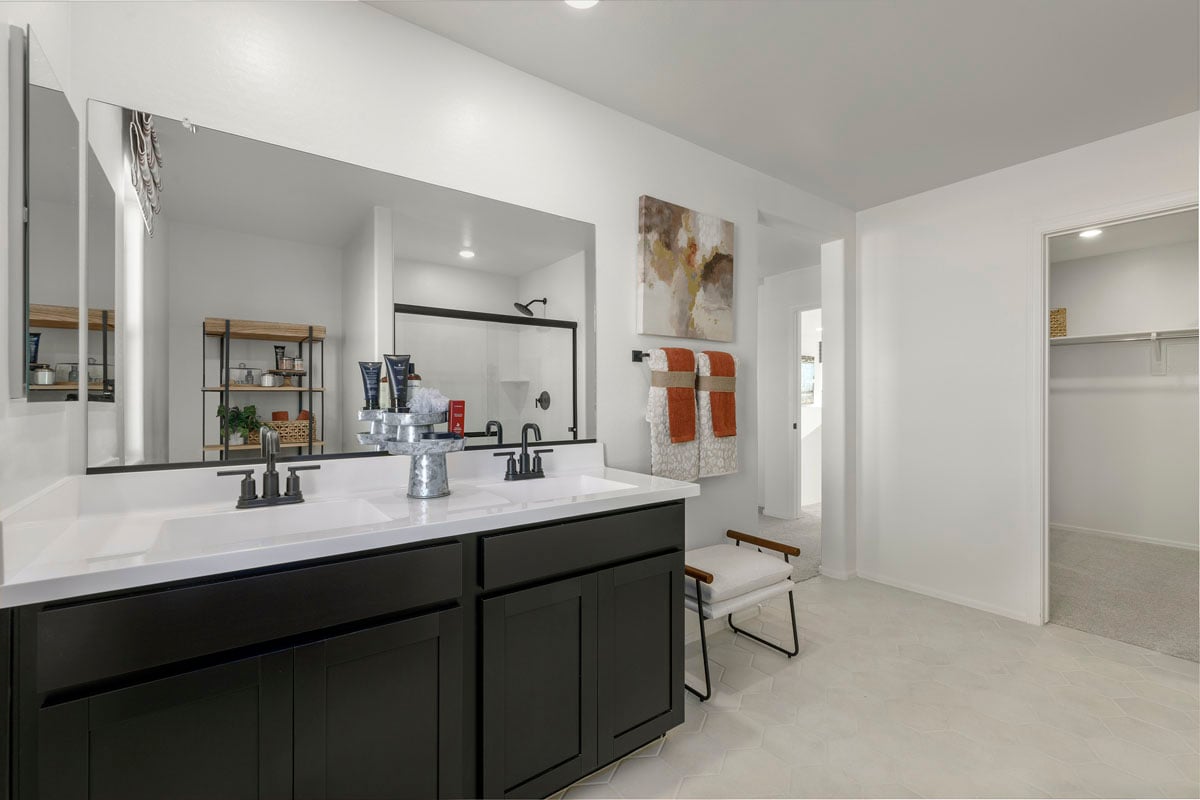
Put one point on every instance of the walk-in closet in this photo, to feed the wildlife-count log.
(1122, 432)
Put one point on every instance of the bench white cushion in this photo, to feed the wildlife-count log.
(736, 571)
(742, 601)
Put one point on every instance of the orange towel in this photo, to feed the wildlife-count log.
(681, 403)
(724, 404)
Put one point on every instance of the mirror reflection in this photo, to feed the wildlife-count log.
(251, 279)
(52, 366)
(506, 371)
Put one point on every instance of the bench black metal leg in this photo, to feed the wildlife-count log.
(795, 635)
(703, 650)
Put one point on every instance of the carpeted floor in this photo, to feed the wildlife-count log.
(804, 532)
(1136, 592)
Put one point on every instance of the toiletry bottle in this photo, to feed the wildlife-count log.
(414, 377)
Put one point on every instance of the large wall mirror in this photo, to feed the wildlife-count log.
(49, 297)
(248, 280)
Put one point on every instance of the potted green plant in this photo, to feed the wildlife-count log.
(239, 423)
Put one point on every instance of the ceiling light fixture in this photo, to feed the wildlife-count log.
(466, 253)
(1090, 234)
(581, 4)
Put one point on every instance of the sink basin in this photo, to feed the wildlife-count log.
(537, 490)
(255, 527)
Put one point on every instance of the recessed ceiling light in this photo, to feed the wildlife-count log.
(581, 4)
(1090, 234)
(466, 253)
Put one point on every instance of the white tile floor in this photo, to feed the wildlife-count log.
(899, 695)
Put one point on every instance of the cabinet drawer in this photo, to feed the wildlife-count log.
(106, 638)
(529, 555)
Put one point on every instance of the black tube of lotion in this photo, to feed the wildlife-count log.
(370, 378)
(397, 367)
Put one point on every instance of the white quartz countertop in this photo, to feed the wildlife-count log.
(102, 533)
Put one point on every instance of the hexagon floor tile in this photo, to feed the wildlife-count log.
(895, 694)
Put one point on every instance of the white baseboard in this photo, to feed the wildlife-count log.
(836, 574)
(952, 598)
(1130, 536)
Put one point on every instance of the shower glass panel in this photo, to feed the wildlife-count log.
(499, 365)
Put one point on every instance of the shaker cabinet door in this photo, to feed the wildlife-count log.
(640, 653)
(538, 680)
(223, 731)
(378, 712)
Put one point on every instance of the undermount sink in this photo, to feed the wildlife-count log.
(207, 532)
(537, 490)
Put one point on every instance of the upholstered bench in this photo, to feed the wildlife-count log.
(726, 578)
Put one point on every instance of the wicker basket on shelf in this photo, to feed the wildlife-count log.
(292, 431)
(1058, 322)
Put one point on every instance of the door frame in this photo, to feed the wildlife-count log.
(794, 409)
(1040, 348)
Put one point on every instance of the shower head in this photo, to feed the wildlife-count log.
(525, 309)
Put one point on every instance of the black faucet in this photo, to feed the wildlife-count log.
(493, 423)
(522, 469)
(248, 497)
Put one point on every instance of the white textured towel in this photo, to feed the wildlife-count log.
(680, 461)
(718, 455)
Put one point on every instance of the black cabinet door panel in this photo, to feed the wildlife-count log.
(640, 628)
(368, 706)
(539, 688)
(224, 731)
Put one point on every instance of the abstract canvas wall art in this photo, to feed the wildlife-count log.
(685, 272)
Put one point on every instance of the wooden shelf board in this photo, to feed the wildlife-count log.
(47, 316)
(214, 448)
(63, 387)
(251, 388)
(264, 331)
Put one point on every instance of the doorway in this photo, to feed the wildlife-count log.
(1122, 443)
(805, 403)
(789, 430)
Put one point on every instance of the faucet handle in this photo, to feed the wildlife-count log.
(293, 480)
(248, 489)
(510, 469)
(537, 458)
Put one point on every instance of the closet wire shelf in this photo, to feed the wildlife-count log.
(1138, 336)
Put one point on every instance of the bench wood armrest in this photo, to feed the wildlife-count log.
(758, 541)
(699, 574)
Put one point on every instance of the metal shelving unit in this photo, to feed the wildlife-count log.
(224, 331)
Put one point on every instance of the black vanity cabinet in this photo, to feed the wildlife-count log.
(497, 664)
(579, 672)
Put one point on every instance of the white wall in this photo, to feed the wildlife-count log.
(951, 337)
(1124, 446)
(1138, 290)
(781, 296)
(438, 285)
(222, 273)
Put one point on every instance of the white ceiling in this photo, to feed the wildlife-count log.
(1138, 235)
(858, 101)
(231, 182)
